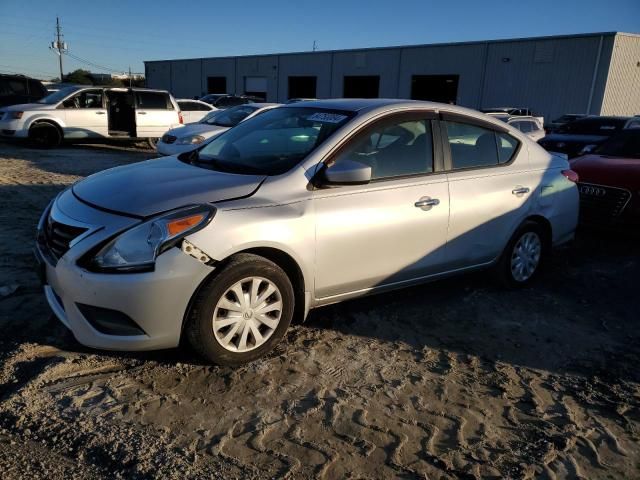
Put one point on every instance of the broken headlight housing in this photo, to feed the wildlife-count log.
(136, 249)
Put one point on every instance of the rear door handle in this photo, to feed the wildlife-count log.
(142, 113)
(100, 113)
(425, 203)
(520, 190)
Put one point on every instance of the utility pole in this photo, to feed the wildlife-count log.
(58, 45)
(130, 80)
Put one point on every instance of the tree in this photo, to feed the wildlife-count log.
(82, 77)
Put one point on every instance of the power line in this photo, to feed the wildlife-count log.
(93, 64)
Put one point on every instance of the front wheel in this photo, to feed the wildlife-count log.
(242, 312)
(521, 259)
(44, 135)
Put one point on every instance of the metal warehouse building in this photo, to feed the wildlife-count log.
(595, 73)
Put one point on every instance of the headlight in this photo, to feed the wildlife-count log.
(190, 140)
(137, 248)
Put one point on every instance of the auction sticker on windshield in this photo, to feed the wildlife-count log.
(327, 117)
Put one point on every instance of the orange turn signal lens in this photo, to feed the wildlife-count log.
(175, 227)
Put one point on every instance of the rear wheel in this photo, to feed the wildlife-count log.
(241, 313)
(44, 135)
(521, 260)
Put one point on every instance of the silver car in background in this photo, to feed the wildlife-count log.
(192, 136)
(301, 206)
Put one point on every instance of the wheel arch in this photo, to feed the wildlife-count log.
(291, 268)
(547, 229)
(49, 121)
(279, 257)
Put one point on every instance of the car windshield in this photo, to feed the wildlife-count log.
(593, 126)
(209, 118)
(211, 97)
(56, 97)
(273, 142)
(231, 116)
(625, 144)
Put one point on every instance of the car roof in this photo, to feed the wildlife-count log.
(262, 104)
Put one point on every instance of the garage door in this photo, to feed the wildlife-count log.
(255, 84)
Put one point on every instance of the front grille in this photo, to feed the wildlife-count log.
(601, 203)
(168, 139)
(58, 236)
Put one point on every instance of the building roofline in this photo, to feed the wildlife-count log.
(392, 47)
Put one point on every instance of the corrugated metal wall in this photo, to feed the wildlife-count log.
(551, 75)
(622, 94)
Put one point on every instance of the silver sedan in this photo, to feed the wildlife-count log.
(301, 206)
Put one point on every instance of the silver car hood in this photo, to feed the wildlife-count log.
(147, 188)
(197, 129)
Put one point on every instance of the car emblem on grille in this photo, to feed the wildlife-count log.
(560, 144)
(593, 191)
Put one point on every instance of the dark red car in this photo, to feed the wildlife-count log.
(609, 182)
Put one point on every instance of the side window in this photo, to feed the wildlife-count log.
(525, 127)
(471, 146)
(507, 146)
(393, 149)
(18, 87)
(153, 101)
(85, 99)
(187, 106)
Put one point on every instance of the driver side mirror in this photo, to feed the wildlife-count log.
(346, 172)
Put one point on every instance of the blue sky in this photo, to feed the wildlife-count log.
(119, 34)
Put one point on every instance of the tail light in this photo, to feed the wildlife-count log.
(180, 119)
(571, 175)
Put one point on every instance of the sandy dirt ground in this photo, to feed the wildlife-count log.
(456, 379)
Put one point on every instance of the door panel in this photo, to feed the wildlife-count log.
(491, 191)
(374, 235)
(85, 115)
(154, 114)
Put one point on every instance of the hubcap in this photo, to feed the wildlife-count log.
(247, 314)
(525, 256)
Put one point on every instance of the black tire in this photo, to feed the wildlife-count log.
(504, 269)
(199, 327)
(152, 142)
(44, 135)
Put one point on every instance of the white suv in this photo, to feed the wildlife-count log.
(85, 113)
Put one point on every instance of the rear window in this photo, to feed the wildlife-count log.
(153, 101)
(593, 126)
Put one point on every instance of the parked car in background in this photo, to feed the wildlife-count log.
(609, 182)
(301, 206)
(512, 112)
(562, 120)
(579, 136)
(190, 137)
(225, 100)
(633, 123)
(296, 100)
(17, 89)
(530, 126)
(92, 113)
(193, 110)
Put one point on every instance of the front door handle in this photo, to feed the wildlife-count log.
(100, 113)
(425, 203)
(142, 113)
(520, 190)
